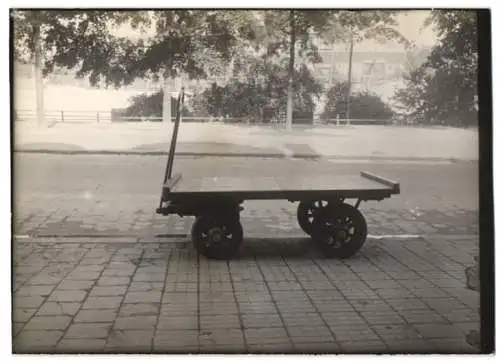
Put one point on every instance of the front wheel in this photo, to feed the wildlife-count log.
(339, 232)
(217, 237)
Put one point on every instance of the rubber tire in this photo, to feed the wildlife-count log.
(357, 240)
(216, 253)
(304, 223)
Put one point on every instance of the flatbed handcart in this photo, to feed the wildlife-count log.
(338, 228)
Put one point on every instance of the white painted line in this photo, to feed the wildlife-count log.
(384, 161)
(372, 236)
(395, 236)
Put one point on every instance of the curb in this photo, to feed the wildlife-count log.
(148, 153)
(260, 155)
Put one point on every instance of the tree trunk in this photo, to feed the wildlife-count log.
(291, 67)
(178, 88)
(349, 80)
(167, 102)
(38, 63)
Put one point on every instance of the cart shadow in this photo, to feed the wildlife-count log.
(291, 247)
(276, 247)
(300, 247)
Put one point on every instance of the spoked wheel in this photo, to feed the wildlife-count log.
(217, 237)
(306, 212)
(339, 232)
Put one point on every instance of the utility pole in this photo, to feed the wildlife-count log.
(167, 103)
(167, 97)
(291, 68)
(38, 64)
(349, 79)
(169, 86)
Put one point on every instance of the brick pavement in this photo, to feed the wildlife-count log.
(45, 215)
(150, 294)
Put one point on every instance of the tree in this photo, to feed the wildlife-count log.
(87, 42)
(356, 26)
(296, 29)
(148, 106)
(364, 105)
(336, 104)
(245, 97)
(71, 39)
(248, 96)
(415, 57)
(443, 90)
(292, 32)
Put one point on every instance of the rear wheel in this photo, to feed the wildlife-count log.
(306, 212)
(339, 232)
(217, 237)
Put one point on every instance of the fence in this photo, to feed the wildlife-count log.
(79, 117)
(65, 116)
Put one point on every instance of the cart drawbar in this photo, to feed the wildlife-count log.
(337, 228)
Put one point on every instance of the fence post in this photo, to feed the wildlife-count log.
(97, 117)
(62, 116)
(338, 120)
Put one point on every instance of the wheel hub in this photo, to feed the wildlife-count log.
(338, 231)
(342, 235)
(216, 235)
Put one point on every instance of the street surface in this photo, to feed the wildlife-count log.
(327, 141)
(96, 270)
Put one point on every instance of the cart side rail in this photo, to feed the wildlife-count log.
(384, 181)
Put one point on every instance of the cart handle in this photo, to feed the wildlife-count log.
(170, 162)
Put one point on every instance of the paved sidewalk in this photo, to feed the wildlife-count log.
(379, 142)
(279, 295)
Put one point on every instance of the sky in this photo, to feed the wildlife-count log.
(410, 25)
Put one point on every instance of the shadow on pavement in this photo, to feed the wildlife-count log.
(209, 148)
(51, 146)
(276, 247)
(295, 247)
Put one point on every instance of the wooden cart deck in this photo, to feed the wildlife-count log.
(348, 186)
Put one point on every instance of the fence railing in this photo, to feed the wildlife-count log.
(64, 116)
(78, 117)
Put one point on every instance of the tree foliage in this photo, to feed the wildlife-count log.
(198, 43)
(364, 105)
(187, 41)
(149, 106)
(297, 28)
(245, 97)
(443, 90)
(362, 25)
